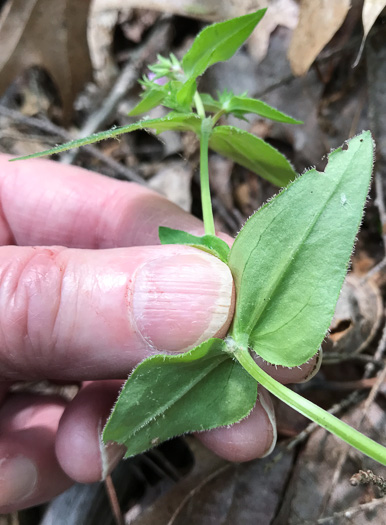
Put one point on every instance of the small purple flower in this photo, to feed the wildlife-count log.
(160, 81)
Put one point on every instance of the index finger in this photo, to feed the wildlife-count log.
(46, 203)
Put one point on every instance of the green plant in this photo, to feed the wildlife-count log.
(288, 262)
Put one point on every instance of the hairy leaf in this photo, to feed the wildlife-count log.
(290, 259)
(173, 121)
(252, 153)
(211, 105)
(207, 243)
(216, 43)
(168, 395)
(243, 105)
(150, 99)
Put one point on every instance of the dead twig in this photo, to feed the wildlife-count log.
(194, 491)
(112, 495)
(124, 83)
(380, 204)
(353, 399)
(378, 356)
(62, 134)
(370, 399)
(351, 512)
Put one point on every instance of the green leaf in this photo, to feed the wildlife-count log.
(173, 121)
(207, 243)
(243, 105)
(185, 94)
(218, 42)
(252, 153)
(290, 259)
(211, 105)
(150, 99)
(168, 395)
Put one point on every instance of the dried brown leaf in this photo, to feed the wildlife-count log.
(319, 21)
(51, 35)
(280, 13)
(371, 10)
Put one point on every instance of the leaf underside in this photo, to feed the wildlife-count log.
(169, 395)
(290, 259)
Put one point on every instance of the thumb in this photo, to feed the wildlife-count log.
(83, 314)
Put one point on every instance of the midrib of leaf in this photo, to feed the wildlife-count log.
(258, 311)
(287, 322)
(166, 406)
(219, 42)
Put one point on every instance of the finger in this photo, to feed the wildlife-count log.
(83, 458)
(83, 314)
(79, 447)
(29, 471)
(44, 203)
(299, 374)
(252, 437)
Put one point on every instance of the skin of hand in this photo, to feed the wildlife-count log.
(87, 292)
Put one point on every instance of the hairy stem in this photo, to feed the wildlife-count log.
(206, 202)
(321, 417)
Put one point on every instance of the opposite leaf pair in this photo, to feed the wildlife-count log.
(288, 262)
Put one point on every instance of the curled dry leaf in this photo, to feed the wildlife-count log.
(319, 488)
(371, 10)
(319, 21)
(51, 35)
(356, 321)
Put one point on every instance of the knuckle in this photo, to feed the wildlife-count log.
(30, 294)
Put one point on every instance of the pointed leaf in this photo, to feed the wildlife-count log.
(185, 94)
(245, 105)
(252, 153)
(168, 395)
(290, 259)
(211, 105)
(207, 243)
(150, 99)
(218, 42)
(173, 121)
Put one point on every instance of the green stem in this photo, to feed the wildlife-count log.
(206, 202)
(199, 105)
(321, 417)
(218, 115)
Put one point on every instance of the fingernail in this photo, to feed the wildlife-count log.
(18, 479)
(267, 405)
(315, 369)
(180, 301)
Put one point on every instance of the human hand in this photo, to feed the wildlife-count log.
(86, 292)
